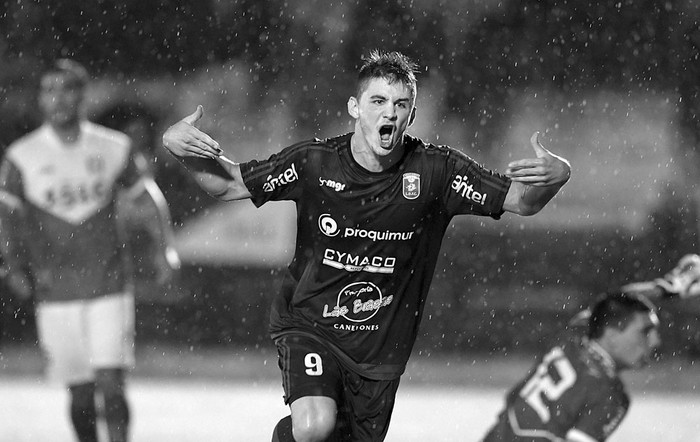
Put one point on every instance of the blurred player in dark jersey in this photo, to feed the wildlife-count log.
(372, 208)
(60, 243)
(574, 393)
(152, 249)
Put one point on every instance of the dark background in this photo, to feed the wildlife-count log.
(496, 291)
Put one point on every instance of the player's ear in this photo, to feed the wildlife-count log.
(412, 118)
(353, 108)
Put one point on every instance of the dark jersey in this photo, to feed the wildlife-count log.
(367, 243)
(573, 393)
(68, 194)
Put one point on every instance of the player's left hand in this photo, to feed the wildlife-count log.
(547, 169)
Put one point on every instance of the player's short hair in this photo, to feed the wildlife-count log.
(76, 74)
(616, 310)
(392, 66)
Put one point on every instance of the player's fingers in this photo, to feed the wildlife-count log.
(203, 147)
(540, 151)
(536, 181)
(528, 163)
(194, 116)
(528, 168)
(203, 141)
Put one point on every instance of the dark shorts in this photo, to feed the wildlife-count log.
(310, 369)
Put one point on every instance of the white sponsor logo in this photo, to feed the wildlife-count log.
(356, 327)
(332, 184)
(357, 302)
(376, 235)
(329, 227)
(289, 175)
(461, 186)
(358, 263)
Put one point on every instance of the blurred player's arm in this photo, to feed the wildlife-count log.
(148, 209)
(682, 281)
(535, 181)
(15, 258)
(195, 150)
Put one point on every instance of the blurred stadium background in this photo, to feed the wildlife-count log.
(611, 85)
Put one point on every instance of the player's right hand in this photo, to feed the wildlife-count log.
(184, 139)
(547, 169)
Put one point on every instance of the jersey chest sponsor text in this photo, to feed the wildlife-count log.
(359, 263)
(72, 193)
(357, 302)
(329, 227)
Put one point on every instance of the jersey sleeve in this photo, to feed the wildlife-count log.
(276, 179)
(13, 249)
(11, 186)
(472, 188)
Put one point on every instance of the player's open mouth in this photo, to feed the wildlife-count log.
(385, 135)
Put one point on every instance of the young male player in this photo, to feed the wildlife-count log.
(372, 208)
(60, 242)
(574, 393)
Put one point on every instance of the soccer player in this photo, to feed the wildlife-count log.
(151, 245)
(574, 393)
(60, 243)
(372, 208)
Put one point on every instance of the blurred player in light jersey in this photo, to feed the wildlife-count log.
(60, 243)
(372, 208)
(574, 393)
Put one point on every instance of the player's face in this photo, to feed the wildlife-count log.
(633, 346)
(382, 114)
(60, 99)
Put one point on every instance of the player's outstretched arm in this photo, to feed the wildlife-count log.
(682, 281)
(195, 150)
(535, 180)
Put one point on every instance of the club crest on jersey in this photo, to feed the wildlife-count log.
(411, 185)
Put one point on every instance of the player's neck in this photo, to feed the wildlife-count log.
(369, 160)
(67, 133)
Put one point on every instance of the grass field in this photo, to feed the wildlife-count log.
(188, 396)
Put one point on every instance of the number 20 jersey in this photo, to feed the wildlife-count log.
(68, 194)
(367, 243)
(573, 393)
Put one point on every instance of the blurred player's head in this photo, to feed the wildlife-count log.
(139, 122)
(61, 92)
(384, 104)
(626, 326)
